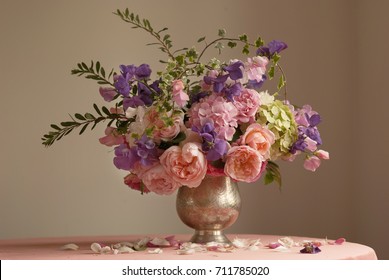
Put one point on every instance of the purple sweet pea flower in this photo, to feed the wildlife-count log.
(253, 84)
(143, 72)
(122, 84)
(272, 48)
(128, 70)
(232, 91)
(277, 46)
(195, 97)
(132, 102)
(214, 147)
(145, 94)
(145, 152)
(125, 158)
(107, 93)
(234, 70)
(218, 82)
(155, 86)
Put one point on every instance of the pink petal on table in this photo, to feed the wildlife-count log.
(273, 245)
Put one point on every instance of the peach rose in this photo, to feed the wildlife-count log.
(259, 138)
(186, 165)
(244, 164)
(157, 180)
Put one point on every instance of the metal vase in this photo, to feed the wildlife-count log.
(210, 208)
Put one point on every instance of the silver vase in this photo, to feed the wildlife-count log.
(210, 208)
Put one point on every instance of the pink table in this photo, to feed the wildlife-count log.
(50, 249)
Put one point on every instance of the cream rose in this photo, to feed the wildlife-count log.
(157, 180)
(186, 165)
(259, 138)
(244, 164)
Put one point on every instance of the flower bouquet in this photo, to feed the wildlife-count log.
(196, 118)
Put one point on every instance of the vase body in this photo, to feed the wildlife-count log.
(210, 208)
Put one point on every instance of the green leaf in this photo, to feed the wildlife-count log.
(246, 49)
(80, 117)
(271, 72)
(97, 109)
(231, 44)
(259, 42)
(102, 72)
(163, 29)
(222, 32)
(89, 116)
(276, 57)
(66, 124)
(243, 38)
(281, 82)
(55, 127)
(179, 138)
(97, 66)
(83, 128)
(201, 39)
(167, 36)
(106, 111)
(269, 178)
(84, 66)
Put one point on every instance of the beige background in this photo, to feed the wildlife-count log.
(337, 62)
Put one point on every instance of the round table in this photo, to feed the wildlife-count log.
(51, 249)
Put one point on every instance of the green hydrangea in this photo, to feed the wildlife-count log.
(279, 119)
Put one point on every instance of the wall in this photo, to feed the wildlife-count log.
(334, 63)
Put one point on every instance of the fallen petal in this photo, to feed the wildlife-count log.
(253, 248)
(96, 247)
(125, 249)
(286, 242)
(105, 249)
(273, 245)
(156, 251)
(340, 241)
(70, 246)
(186, 251)
(240, 243)
(281, 249)
(162, 242)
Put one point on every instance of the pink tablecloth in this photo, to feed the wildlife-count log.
(50, 248)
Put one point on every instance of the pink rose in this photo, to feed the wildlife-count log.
(312, 163)
(157, 180)
(247, 104)
(180, 97)
(112, 137)
(259, 138)
(135, 183)
(186, 165)
(244, 164)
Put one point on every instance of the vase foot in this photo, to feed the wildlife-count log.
(205, 236)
